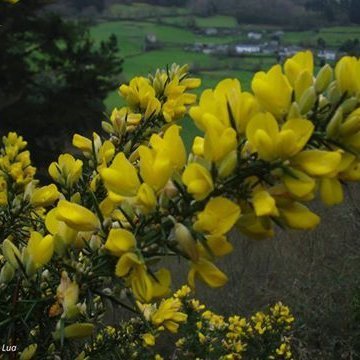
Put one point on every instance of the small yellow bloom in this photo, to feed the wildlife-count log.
(264, 204)
(120, 241)
(198, 181)
(298, 183)
(40, 249)
(76, 216)
(149, 339)
(169, 315)
(67, 294)
(317, 162)
(75, 331)
(271, 143)
(347, 72)
(121, 177)
(155, 167)
(273, 91)
(67, 170)
(301, 62)
(29, 352)
(331, 191)
(298, 216)
(186, 241)
(45, 195)
(207, 272)
(218, 217)
(146, 199)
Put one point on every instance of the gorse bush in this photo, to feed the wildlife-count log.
(96, 238)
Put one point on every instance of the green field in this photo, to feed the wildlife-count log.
(174, 29)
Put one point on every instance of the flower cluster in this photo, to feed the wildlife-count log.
(100, 232)
(197, 333)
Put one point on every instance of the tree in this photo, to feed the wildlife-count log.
(354, 11)
(53, 75)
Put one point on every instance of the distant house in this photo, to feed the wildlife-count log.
(254, 35)
(211, 31)
(327, 55)
(151, 42)
(278, 34)
(270, 48)
(247, 49)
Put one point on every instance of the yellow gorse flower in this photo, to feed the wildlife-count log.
(40, 249)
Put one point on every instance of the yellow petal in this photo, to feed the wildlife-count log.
(298, 216)
(76, 216)
(317, 162)
(120, 241)
(331, 191)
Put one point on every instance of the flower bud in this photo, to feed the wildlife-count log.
(29, 352)
(334, 93)
(7, 273)
(170, 190)
(11, 253)
(349, 104)
(228, 164)
(307, 100)
(95, 242)
(75, 331)
(352, 124)
(186, 241)
(333, 126)
(108, 128)
(323, 78)
(294, 112)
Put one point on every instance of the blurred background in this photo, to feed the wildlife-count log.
(61, 63)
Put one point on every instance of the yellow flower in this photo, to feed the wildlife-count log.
(198, 181)
(218, 217)
(40, 249)
(301, 62)
(271, 143)
(45, 195)
(169, 315)
(317, 162)
(144, 286)
(219, 141)
(218, 245)
(146, 198)
(67, 294)
(75, 331)
(171, 145)
(83, 143)
(67, 170)
(347, 72)
(121, 177)
(331, 191)
(185, 240)
(63, 234)
(211, 106)
(198, 146)
(29, 352)
(264, 204)
(11, 253)
(273, 91)
(207, 272)
(76, 216)
(138, 93)
(298, 216)
(120, 241)
(155, 167)
(149, 339)
(298, 183)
